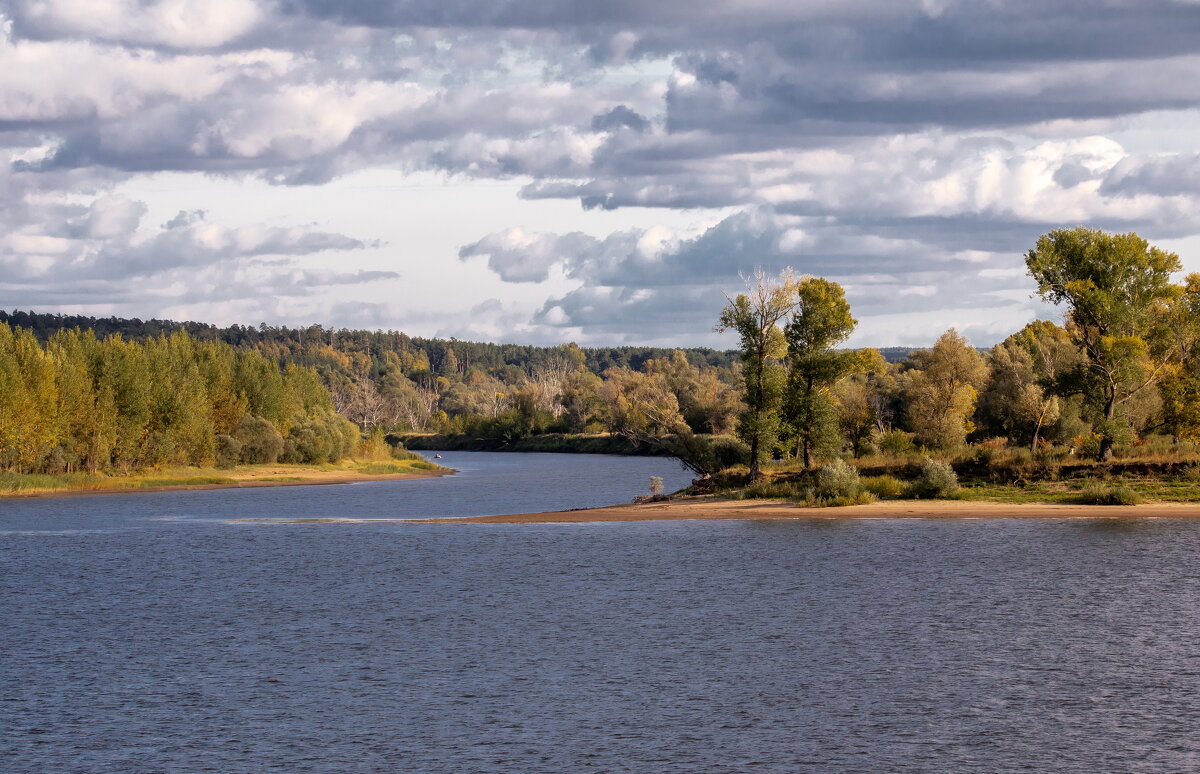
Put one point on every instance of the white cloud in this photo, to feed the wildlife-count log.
(911, 149)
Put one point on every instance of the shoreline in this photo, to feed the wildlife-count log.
(712, 509)
(294, 477)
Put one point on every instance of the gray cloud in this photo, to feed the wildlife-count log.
(904, 146)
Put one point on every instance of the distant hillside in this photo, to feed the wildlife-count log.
(896, 354)
(293, 342)
(491, 357)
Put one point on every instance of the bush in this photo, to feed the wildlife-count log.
(1086, 446)
(884, 487)
(373, 448)
(837, 479)
(400, 453)
(768, 489)
(985, 456)
(261, 443)
(936, 480)
(896, 443)
(728, 451)
(1101, 494)
(320, 439)
(862, 497)
(228, 451)
(1020, 456)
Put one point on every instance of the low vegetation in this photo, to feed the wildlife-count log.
(18, 484)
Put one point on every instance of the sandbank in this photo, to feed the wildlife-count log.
(711, 509)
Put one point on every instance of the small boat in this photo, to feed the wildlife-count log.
(437, 456)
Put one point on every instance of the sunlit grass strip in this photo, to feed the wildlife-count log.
(250, 475)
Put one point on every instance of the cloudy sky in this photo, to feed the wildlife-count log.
(591, 170)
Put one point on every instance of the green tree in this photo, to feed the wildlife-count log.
(859, 401)
(1180, 388)
(941, 389)
(820, 322)
(1121, 309)
(755, 316)
(643, 408)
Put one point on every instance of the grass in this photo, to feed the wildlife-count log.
(389, 468)
(1085, 492)
(1151, 472)
(33, 484)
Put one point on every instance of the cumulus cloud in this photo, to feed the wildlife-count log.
(907, 147)
(175, 23)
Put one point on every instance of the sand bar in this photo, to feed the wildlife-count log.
(710, 509)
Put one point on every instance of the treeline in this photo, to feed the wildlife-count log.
(443, 356)
(393, 382)
(1124, 366)
(77, 402)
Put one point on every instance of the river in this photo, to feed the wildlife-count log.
(200, 631)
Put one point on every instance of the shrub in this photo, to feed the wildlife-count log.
(1101, 494)
(728, 451)
(373, 448)
(1019, 456)
(400, 453)
(985, 456)
(229, 451)
(261, 443)
(837, 479)
(936, 480)
(884, 487)
(896, 443)
(862, 497)
(320, 439)
(656, 486)
(1050, 454)
(1086, 446)
(768, 489)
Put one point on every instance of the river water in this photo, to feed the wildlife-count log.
(190, 632)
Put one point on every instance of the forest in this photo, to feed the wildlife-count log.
(80, 403)
(1123, 370)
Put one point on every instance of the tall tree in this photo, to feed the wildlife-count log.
(755, 316)
(820, 322)
(1020, 400)
(861, 402)
(1121, 308)
(941, 390)
(1180, 389)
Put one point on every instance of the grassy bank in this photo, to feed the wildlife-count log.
(977, 475)
(28, 485)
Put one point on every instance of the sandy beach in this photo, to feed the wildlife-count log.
(708, 509)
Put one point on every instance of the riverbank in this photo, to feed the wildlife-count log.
(714, 509)
(14, 486)
(546, 443)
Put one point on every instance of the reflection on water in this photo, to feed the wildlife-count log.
(135, 644)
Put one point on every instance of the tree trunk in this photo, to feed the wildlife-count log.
(1106, 440)
(755, 472)
(807, 453)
